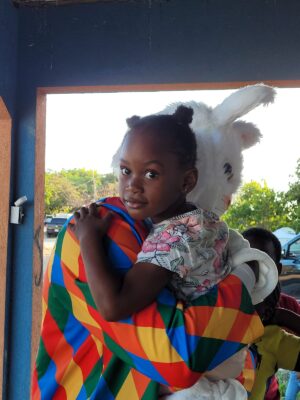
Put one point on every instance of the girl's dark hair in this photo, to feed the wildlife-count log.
(174, 130)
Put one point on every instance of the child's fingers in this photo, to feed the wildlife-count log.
(93, 209)
(76, 215)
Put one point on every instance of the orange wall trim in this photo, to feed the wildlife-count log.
(5, 160)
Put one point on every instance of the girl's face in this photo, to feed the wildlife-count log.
(151, 182)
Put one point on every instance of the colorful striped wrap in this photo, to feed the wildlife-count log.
(82, 356)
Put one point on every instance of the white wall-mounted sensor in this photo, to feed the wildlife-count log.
(16, 211)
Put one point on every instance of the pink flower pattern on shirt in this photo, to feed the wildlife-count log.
(160, 242)
(193, 246)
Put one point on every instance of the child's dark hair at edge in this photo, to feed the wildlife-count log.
(266, 241)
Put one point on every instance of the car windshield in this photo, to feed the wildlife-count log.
(58, 221)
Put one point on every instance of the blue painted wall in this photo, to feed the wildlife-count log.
(118, 43)
(8, 91)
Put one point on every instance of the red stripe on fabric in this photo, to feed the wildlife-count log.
(60, 394)
(107, 355)
(178, 375)
(69, 282)
(87, 356)
(197, 319)
(56, 346)
(81, 270)
(132, 342)
(35, 390)
(141, 382)
(239, 327)
(148, 318)
(229, 293)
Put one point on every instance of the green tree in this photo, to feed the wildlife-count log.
(293, 199)
(257, 205)
(60, 194)
(67, 190)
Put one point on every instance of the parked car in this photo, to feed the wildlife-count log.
(47, 219)
(55, 225)
(290, 275)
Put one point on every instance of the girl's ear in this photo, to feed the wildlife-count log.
(190, 180)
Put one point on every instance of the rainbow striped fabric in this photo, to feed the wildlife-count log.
(82, 356)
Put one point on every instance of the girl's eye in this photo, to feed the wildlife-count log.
(124, 171)
(151, 174)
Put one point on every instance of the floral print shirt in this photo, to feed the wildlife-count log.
(193, 246)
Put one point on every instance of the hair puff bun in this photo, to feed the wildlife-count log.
(132, 121)
(183, 115)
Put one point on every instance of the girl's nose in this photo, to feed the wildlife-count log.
(135, 184)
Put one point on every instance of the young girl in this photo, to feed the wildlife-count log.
(186, 247)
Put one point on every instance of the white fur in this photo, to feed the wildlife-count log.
(221, 140)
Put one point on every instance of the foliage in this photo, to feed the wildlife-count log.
(293, 199)
(257, 205)
(66, 190)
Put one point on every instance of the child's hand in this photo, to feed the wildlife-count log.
(88, 224)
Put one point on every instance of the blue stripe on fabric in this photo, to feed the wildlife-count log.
(56, 272)
(147, 368)
(165, 297)
(117, 258)
(178, 337)
(47, 383)
(82, 395)
(102, 391)
(226, 350)
(75, 333)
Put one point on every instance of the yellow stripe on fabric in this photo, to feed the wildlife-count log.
(98, 344)
(220, 323)
(255, 330)
(72, 386)
(128, 390)
(44, 309)
(149, 335)
(81, 312)
(70, 253)
(249, 376)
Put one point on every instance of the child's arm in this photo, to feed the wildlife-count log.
(116, 297)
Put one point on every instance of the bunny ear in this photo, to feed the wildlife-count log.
(241, 102)
(247, 132)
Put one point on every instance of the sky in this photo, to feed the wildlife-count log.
(85, 130)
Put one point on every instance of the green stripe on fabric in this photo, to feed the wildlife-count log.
(115, 374)
(173, 319)
(59, 241)
(116, 349)
(42, 361)
(151, 392)
(207, 348)
(85, 290)
(246, 303)
(93, 378)
(60, 305)
(207, 300)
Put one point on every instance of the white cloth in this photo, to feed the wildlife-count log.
(240, 252)
(206, 389)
